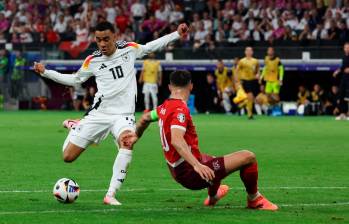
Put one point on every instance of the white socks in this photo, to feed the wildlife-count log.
(121, 163)
(147, 101)
(252, 197)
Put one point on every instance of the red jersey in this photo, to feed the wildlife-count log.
(174, 113)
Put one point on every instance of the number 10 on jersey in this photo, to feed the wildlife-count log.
(117, 72)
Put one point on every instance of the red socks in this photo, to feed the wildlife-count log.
(249, 175)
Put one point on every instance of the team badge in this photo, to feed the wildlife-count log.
(181, 117)
(125, 57)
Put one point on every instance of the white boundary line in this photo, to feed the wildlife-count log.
(162, 209)
(183, 189)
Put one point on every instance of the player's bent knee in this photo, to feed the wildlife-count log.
(249, 156)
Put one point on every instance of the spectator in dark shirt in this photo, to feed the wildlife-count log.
(344, 84)
(331, 106)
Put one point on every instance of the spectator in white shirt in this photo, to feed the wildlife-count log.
(237, 23)
(61, 25)
(207, 21)
(304, 21)
(138, 10)
(111, 12)
(177, 15)
(319, 33)
(162, 13)
(200, 34)
(291, 21)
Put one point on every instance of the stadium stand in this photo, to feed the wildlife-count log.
(63, 30)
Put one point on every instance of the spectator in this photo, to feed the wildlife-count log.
(343, 32)
(177, 15)
(290, 34)
(279, 32)
(196, 22)
(200, 34)
(243, 33)
(88, 98)
(111, 11)
(316, 100)
(81, 43)
(152, 24)
(319, 33)
(162, 13)
(138, 12)
(220, 35)
(3, 71)
(304, 21)
(333, 31)
(331, 106)
(4, 23)
(207, 21)
(61, 25)
(237, 23)
(303, 100)
(122, 21)
(51, 36)
(305, 35)
(17, 75)
(211, 95)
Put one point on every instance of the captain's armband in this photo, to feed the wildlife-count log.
(154, 115)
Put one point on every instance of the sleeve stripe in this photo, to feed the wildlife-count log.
(87, 61)
(132, 44)
(178, 127)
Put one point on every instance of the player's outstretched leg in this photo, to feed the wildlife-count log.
(246, 162)
(122, 161)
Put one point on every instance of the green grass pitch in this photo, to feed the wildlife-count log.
(303, 164)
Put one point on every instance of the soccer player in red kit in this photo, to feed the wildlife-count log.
(187, 164)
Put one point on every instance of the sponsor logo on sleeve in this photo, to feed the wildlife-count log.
(181, 117)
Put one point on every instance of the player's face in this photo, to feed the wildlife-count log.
(346, 48)
(270, 51)
(249, 52)
(106, 42)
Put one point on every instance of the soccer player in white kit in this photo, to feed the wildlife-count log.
(114, 103)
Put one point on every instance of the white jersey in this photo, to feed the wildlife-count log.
(115, 75)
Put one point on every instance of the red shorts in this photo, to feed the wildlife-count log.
(189, 178)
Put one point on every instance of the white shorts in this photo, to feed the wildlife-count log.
(96, 126)
(150, 88)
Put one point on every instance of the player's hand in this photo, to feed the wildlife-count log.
(205, 172)
(335, 73)
(280, 82)
(183, 30)
(39, 68)
(128, 139)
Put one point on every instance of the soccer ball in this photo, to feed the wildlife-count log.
(66, 190)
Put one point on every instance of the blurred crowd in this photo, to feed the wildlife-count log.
(214, 22)
(314, 101)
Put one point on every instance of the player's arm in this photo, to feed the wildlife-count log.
(65, 79)
(181, 146)
(144, 122)
(281, 72)
(141, 76)
(160, 43)
(257, 70)
(160, 75)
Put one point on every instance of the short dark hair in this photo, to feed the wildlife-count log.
(180, 78)
(102, 26)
